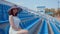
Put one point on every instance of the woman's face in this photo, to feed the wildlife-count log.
(15, 11)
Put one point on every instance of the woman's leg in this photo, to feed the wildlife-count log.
(22, 32)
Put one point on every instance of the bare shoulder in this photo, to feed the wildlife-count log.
(10, 16)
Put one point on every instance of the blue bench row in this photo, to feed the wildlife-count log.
(2, 31)
(4, 12)
(44, 28)
(27, 23)
(54, 28)
(56, 23)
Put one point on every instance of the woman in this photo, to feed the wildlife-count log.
(14, 22)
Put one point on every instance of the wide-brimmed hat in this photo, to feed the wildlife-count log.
(13, 7)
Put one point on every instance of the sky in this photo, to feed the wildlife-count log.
(32, 4)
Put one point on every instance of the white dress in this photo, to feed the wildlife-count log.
(16, 22)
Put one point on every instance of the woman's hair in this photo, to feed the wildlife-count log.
(11, 11)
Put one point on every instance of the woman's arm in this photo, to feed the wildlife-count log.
(11, 22)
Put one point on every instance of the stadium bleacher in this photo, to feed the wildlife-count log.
(3, 13)
(35, 24)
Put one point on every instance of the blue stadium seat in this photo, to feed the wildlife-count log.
(55, 30)
(2, 31)
(56, 23)
(6, 21)
(58, 26)
(44, 28)
(28, 28)
(7, 29)
(27, 23)
(4, 12)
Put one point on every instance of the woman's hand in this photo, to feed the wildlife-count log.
(15, 28)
